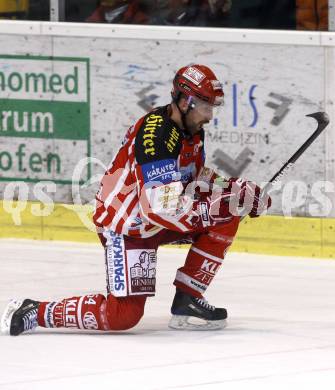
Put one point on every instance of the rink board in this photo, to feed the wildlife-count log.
(101, 78)
(276, 235)
(88, 83)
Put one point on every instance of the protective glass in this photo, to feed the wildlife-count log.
(205, 109)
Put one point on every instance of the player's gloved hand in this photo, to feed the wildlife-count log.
(209, 207)
(218, 199)
(246, 197)
(212, 210)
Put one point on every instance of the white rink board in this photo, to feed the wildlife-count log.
(269, 90)
(280, 332)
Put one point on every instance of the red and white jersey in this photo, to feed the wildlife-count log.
(145, 189)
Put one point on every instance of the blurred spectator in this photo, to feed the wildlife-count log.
(79, 10)
(219, 12)
(14, 9)
(312, 14)
(39, 10)
(217, 6)
(25, 9)
(121, 11)
(182, 13)
(263, 14)
(277, 15)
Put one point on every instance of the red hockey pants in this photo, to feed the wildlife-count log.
(131, 277)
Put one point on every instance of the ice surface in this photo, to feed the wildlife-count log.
(280, 334)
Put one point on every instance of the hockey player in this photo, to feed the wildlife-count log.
(157, 191)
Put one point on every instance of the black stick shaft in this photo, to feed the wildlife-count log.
(322, 119)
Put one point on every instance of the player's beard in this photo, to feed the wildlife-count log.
(195, 127)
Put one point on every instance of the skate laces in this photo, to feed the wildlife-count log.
(205, 304)
(30, 320)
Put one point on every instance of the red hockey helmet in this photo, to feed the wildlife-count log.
(198, 81)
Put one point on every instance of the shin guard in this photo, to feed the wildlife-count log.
(85, 312)
(205, 258)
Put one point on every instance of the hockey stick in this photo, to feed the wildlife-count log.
(323, 121)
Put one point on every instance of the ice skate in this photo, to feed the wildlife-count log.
(19, 317)
(190, 313)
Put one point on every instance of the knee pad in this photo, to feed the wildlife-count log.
(124, 312)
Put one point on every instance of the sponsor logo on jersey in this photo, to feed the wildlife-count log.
(163, 171)
(219, 237)
(89, 321)
(187, 172)
(70, 313)
(207, 271)
(173, 139)
(116, 265)
(58, 315)
(204, 212)
(142, 267)
(136, 224)
(152, 122)
(198, 285)
(210, 266)
(48, 316)
(170, 197)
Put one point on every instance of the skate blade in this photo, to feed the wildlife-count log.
(194, 323)
(8, 314)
